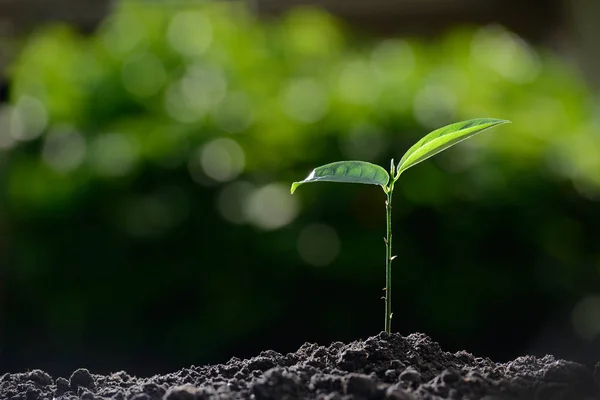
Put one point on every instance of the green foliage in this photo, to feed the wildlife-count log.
(442, 138)
(142, 92)
(348, 172)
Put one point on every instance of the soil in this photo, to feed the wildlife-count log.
(385, 367)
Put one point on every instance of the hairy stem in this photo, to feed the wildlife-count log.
(388, 262)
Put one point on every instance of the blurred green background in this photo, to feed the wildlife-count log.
(145, 216)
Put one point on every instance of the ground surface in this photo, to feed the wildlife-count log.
(386, 367)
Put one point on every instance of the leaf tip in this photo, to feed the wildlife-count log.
(502, 121)
(294, 186)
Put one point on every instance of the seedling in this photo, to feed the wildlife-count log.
(364, 172)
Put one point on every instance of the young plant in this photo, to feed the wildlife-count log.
(364, 172)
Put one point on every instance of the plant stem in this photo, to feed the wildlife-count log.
(388, 262)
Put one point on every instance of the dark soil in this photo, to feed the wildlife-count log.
(382, 367)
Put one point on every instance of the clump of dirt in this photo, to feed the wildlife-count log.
(384, 367)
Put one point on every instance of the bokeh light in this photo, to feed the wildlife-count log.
(112, 154)
(222, 159)
(506, 53)
(305, 101)
(32, 115)
(435, 106)
(120, 33)
(64, 149)
(358, 84)
(231, 201)
(586, 317)
(393, 59)
(318, 245)
(190, 33)
(10, 126)
(271, 207)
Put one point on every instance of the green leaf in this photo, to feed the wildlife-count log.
(347, 171)
(442, 138)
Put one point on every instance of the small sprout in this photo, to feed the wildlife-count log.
(367, 173)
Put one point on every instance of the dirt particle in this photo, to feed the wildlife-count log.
(229, 371)
(81, 378)
(391, 375)
(450, 376)
(40, 377)
(260, 364)
(276, 383)
(184, 392)
(360, 385)
(441, 390)
(262, 392)
(141, 396)
(352, 359)
(568, 372)
(153, 390)
(121, 375)
(331, 396)
(396, 393)
(85, 394)
(32, 394)
(239, 375)
(474, 377)
(326, 383)
(256, 373)
(62, 386)
(410, 375)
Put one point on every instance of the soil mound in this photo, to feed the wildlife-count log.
(383, 367)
